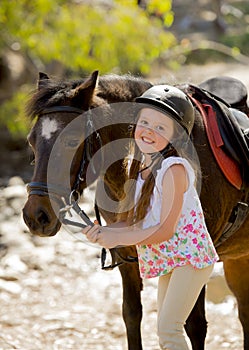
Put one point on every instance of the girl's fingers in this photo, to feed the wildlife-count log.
(89, 229)
(92, 233)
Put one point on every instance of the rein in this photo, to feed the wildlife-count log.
(59, 194)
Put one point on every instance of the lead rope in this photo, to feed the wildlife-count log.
(103, 250)
(73, 205)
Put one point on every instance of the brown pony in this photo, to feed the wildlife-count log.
(56, 105)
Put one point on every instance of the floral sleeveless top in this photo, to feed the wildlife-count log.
(190, 244)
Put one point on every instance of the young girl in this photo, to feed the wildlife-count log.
(166, 222)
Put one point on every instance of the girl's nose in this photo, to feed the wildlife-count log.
(149, 130)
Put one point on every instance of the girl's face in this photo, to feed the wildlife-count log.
(154, 130)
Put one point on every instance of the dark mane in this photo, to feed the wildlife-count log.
(111, 87)
(55, 93)
(125, 88)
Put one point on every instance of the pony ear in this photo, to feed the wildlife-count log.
(83, 94)
(92, 81)
(42, 81)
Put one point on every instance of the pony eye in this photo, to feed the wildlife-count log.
(72, 143)
(32, 162)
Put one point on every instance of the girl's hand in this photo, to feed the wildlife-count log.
(104, 236)
(92, 233)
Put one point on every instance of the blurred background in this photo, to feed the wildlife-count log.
(50, 295)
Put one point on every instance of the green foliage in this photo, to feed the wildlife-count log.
(85, 36)
(238, 19)
(239, 42)
(162, 9)
(12, 114)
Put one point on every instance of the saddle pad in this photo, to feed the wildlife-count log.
(228, 166)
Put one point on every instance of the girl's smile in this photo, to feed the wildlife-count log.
(154, 131)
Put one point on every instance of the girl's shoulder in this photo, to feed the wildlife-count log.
(168, 162)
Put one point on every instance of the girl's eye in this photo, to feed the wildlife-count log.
(142, 122)
(160, 128)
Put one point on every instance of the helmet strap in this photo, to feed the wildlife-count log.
(156, 155)
(148, 166)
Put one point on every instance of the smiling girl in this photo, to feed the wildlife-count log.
(165, 220)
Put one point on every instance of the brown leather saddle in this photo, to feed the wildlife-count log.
(226, 117)
(222, 101)
(233, 122)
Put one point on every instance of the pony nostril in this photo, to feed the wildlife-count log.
(43, 218)
(26, 218)
(40, 222)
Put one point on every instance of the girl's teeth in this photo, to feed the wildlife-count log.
(147, 140)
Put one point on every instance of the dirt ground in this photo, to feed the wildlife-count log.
(54, 295)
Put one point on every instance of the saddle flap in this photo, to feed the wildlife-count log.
(233, 126)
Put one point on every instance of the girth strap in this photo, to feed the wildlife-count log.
(236, 220)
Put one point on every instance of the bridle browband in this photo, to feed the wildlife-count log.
(59, 109)
(59, 194)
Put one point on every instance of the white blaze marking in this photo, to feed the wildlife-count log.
(49, 126)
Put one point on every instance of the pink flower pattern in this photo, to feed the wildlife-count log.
(190, 244)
